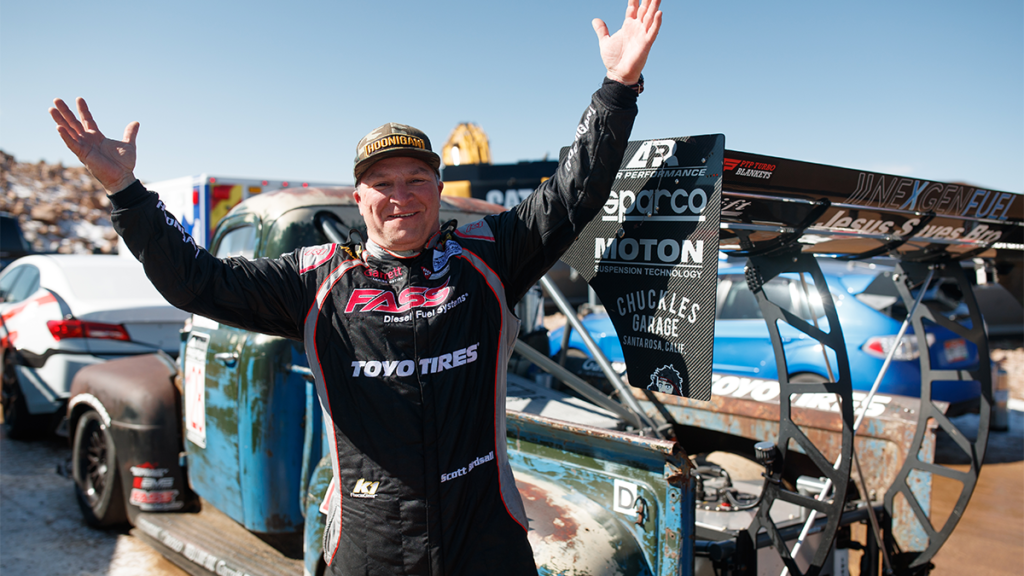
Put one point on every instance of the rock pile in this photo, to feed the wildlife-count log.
(60, 209)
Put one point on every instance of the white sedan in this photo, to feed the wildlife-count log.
(61, 313)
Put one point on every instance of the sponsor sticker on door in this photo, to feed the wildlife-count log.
(195, 388)
(624, 497)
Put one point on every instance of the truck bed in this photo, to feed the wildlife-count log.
(209, 543)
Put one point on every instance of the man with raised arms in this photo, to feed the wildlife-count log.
(413, 399)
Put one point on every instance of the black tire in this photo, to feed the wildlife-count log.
(19, 422)
(94, 469)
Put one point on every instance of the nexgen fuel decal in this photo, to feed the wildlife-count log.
(651, 255)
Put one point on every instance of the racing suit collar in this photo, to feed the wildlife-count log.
(378, 251)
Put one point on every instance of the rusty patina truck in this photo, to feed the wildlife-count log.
(218, 460)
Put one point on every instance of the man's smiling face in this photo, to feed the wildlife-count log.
(400, 200)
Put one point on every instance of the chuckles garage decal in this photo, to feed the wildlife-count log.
(651, 255)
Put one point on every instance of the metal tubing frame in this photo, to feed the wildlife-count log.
(570, 316)
(575, 382)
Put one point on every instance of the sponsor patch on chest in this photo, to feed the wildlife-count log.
(478, 230)
(315, 256)
(402, 368)
(385, 276)
(441, 258)
(377, 300)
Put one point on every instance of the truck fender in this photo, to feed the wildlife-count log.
(139, 403)
(571, 533)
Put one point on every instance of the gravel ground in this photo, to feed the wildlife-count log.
(41, 528)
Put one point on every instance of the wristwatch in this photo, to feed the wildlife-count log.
(638, 87)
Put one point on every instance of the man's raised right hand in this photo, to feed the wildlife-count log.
(112, 162)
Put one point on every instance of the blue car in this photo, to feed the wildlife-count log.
(870, 315)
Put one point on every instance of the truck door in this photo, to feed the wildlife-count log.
(212, 407)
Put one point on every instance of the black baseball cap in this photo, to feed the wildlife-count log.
(393, 139)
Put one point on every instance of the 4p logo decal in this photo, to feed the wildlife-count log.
(654, 154)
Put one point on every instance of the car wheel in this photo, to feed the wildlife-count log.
(20, 423)
(94, 469)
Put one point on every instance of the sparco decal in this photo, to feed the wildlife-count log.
(371, 300)
(655, 206)
(375, 368)
(922, 195)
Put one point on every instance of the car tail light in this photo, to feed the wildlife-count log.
(62, 329)
(879, 346)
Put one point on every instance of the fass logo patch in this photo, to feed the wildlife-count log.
(666, 380)
(372, 300)
(654, 154)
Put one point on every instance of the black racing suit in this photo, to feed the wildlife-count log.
(409, 356)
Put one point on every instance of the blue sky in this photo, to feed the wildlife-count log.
(285, 90)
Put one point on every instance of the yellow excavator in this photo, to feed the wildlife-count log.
(467, 144)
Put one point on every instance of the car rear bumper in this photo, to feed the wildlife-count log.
(46, 380)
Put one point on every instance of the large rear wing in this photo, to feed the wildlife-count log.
(769, 202)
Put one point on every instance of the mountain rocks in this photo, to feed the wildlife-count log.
(60, 209)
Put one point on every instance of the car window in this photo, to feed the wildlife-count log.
(740, 303)
(943, 296)
(100, 280)
(25, 284)
(11, 239)
(298, 228)
(240, 241)
(7, 283)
